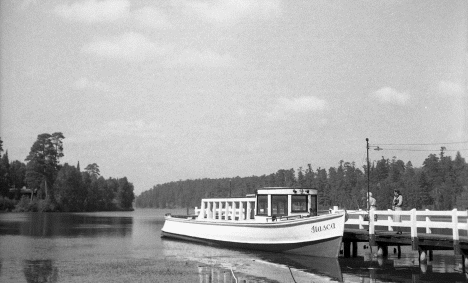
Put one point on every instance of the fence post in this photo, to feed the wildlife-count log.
(371, 228)
(428, 223)
(414, 230)
(201, 215)
(226, 211)
(249, 208)
(209, 212)
(390, 219)
(220, 210)
(456, 236)
(361, 219)
(241, 210)
(233, 211)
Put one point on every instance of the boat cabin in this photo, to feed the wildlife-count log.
(268, 204)
(283, 202)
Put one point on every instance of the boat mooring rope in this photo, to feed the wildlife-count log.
(292, 275)
(233, 275)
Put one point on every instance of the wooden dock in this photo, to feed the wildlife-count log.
(425, 231)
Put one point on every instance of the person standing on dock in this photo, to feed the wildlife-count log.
(371, 202)
(396, 205)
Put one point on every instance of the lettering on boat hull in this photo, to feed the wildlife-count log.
(322, 228)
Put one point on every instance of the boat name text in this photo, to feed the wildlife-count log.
(321, 228)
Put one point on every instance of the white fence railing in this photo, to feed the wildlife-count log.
(454, 220)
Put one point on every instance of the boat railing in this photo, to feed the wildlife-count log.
(233, 209)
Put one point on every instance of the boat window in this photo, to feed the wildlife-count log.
(279, 205)
(313, 205)
(262, 205)
(299, 203)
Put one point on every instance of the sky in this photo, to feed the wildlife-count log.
(161, 91)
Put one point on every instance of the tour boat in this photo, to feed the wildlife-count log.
(274, 219)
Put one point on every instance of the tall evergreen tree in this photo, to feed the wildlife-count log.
(4, 175)
(125, 194)
(70, 193)
(17, 175)
(44, 161)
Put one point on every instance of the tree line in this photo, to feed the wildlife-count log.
(57, 187)
(441, 183)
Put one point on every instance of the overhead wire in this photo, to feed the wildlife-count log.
(431, 150)
(438, 143)
(377, 146)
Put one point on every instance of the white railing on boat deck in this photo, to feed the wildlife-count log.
(426, 220)
(227, 209)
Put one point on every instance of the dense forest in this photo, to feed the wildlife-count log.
(440, 184)
(57, 187)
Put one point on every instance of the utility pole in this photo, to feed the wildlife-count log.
(368, 174)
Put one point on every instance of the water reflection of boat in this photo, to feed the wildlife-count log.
(329, 267)
(227, 265)
(43, 271)
(274, 219)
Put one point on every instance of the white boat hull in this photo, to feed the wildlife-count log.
(315, 236)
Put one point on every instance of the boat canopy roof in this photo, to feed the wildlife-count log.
(286, 191)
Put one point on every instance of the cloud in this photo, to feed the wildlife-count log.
(133, 46)
(451, 89)
(93, 11)
(229, 11)
(392, 96)
(286, 107)
(302, 104)
(119, 130)
(151, 17)
(130, 46)
(27, 3)
(206, 58)
(84, 83)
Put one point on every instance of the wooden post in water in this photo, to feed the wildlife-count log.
(355, 248)
(346, 247)
(422, 256)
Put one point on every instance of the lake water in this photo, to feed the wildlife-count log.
(126, 247)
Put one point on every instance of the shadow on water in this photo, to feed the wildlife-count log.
(40, 271)
(66, 224)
